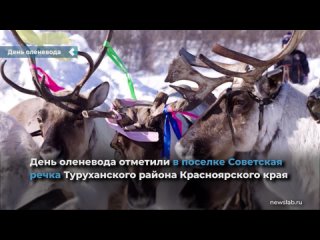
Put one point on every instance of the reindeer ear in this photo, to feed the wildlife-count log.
(275, 76)
(158, 104)
(98, 95)
(271, 82)
(117, 103)
(157, 109)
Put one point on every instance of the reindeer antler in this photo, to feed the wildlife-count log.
(260, 66)
(42, 90)
(181, 70)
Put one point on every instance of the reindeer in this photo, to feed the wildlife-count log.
(16, 149)
(150, 194)
(66, 134)
(150, 117)
(264, 117)
(314, 104)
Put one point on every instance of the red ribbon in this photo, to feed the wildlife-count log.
(179, 122)
(50, 83)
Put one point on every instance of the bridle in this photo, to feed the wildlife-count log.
(232, 92)
(263, 102)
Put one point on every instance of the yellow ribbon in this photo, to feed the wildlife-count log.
(43, 38)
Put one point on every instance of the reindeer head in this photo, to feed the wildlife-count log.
(151, 118)
(140, 116)
(67, 134)
(232, 123)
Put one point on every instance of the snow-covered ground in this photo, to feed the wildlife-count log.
(68, 73)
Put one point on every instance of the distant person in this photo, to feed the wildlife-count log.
(295, 65)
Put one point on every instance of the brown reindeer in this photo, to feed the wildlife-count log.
(66, 133)
(59, 115)
(150, 117)
(267, 118)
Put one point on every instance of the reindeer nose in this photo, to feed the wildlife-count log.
(49, 153)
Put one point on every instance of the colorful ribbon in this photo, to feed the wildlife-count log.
(176, 124)
(50, 83)
(40, 39)
(135, 136)
(118, 62)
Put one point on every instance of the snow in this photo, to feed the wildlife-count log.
(68, 72)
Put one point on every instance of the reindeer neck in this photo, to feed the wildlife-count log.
(280, 117)
(293, 137)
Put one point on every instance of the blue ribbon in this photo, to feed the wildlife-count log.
(167, 133)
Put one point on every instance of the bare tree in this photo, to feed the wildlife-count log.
(140, 49)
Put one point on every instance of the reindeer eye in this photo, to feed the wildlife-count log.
(39, 119)
(238, 102)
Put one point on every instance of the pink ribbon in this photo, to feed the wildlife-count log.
(179, 122)
(136, 136)
(133, 135)
(146, 136)
(50, 83)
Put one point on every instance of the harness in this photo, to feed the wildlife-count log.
(263, 102)
(242, 199)
(230, 93)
